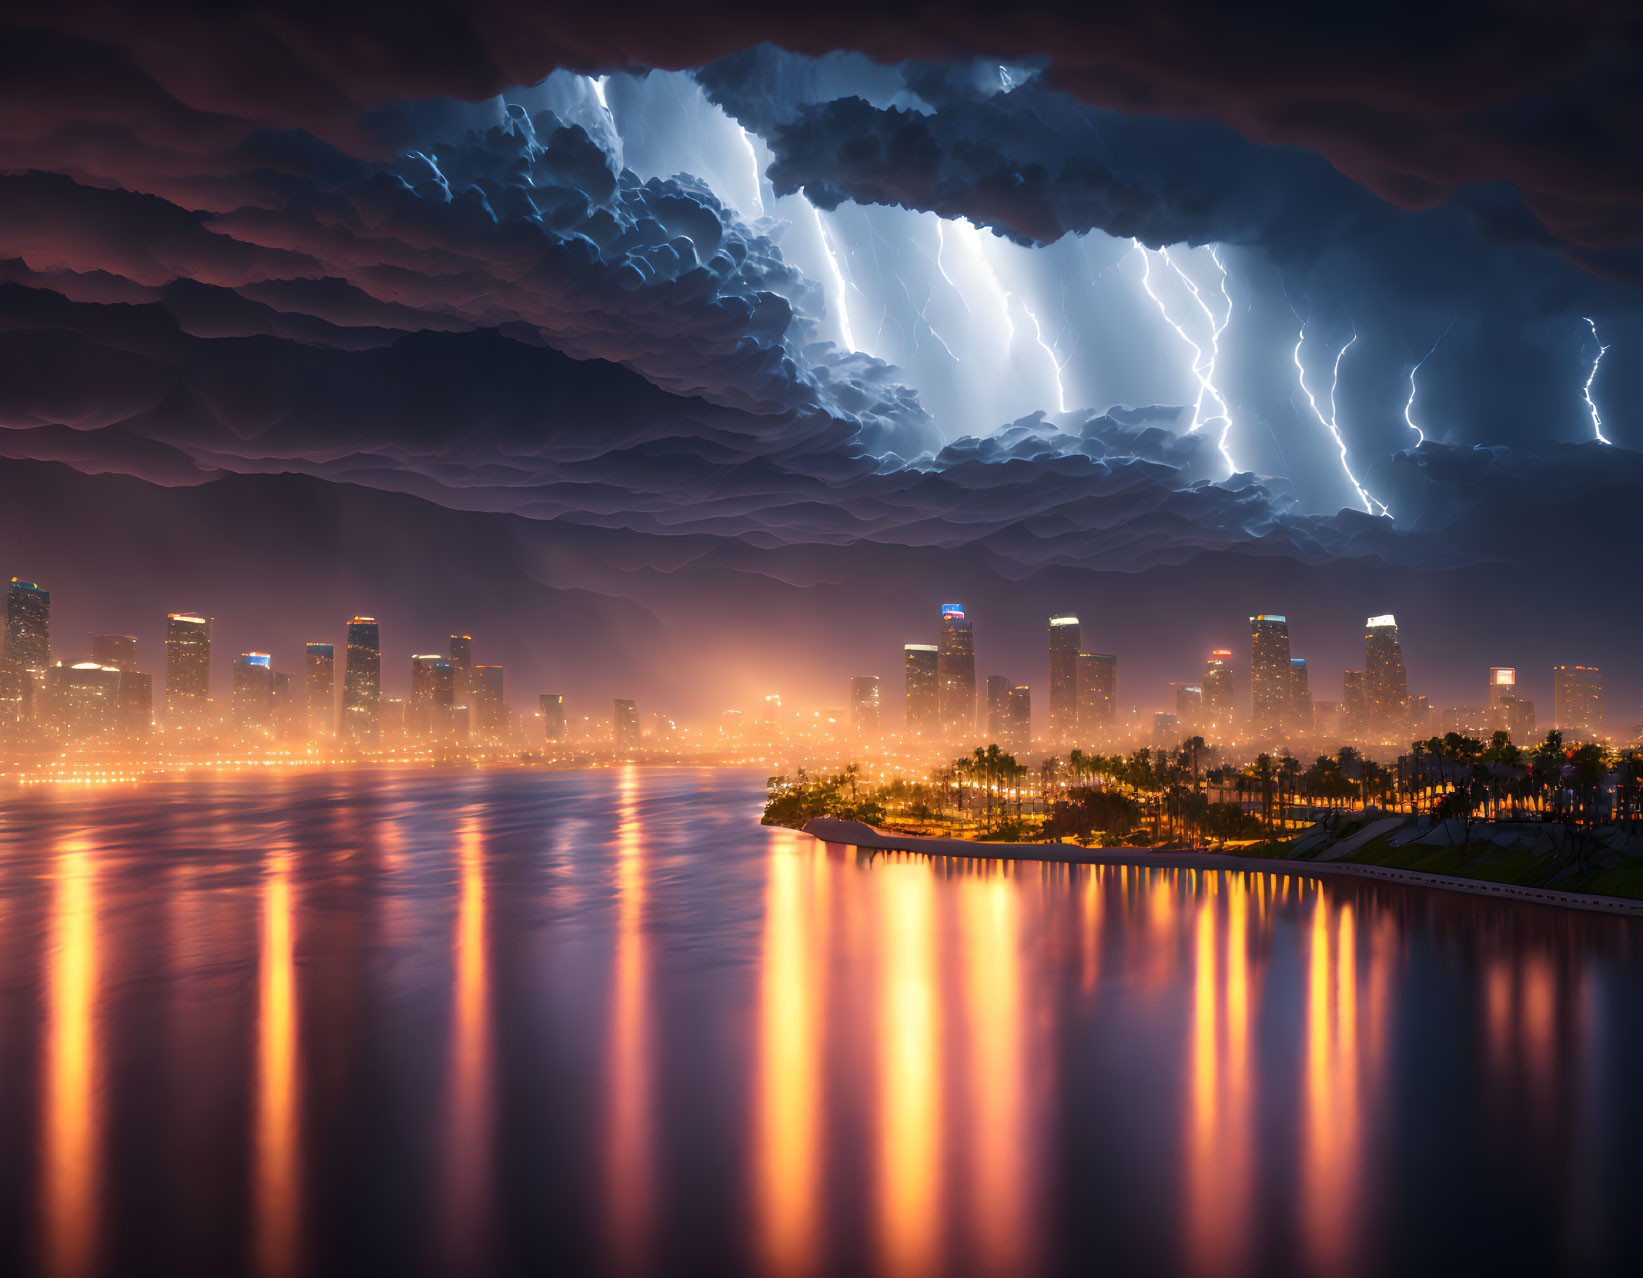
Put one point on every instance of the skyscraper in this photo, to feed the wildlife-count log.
(136, 713)
(429, 707)
(1354, 706)
(362, 684)
(27, 651)
(86, 701)
(253, 700)
(490, 707)
(289, 713)
(1299, 718)
(1502, 684)
(1017, 734)
(864, 706)
(956, 672)
(321, 671)
(998, 692)
(1385, 683)
(119, 651)
(552, 705)
(1064, 649)
(187, 670)
(1218, 690)
(1270, 695)
(1097, 695)
(923, 706)
(1189, 705)
(625, 726)
(1577, 698)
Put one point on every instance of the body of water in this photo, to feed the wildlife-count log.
(604, 1022)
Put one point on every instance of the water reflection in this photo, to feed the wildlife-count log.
(69, 1180)
(605, 1023)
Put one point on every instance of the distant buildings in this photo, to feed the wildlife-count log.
(956, 672)
(998, 695)
(1577, 699)
(1218, 690)
(253, 698)
(1064, 650)
(552, 705)
(187, 671)
(1189, 705)
(1299, 718)
(320, 673)
(923, 704)
(1271, 699)
(625, 726)
(1386, 684)
(1509, 712)
(26, 654)
(1016, 721)
(490, 706)
(1354, 705)
(362, 684)
(864, 707)
(119, 651)
(1097, 695)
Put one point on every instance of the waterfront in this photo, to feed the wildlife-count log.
(604, 1022)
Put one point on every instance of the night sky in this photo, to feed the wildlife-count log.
(691, 355)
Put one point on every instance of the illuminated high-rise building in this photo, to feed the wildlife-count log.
(1016, 729)
(1218, 692)
(290, 713)
(253, 700)
(998, 692)
(430, 705)
(1502, 684)
(1271, 700)
(27, 651)
(85, 700)
(1354, 705)
(1385, 682)
(1064, 649)
(1299, 718)
(864, 706)
(552, 705)
(119, 651)
(321, 689)
(187, 671)
(1189, 705)
(956, 672)
(1097, 695)
(923, 705)
(624, 724)
(490, 707)
(362, 684)
(1577, 699)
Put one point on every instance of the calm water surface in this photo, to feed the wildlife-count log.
(605, 1023)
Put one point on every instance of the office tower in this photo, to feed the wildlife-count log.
(1166, 730)
(136, 706)
(187, 671)
(1218, 690)
(998, 692)
(119, 651)
(1420, 717)
(956, 672)
(1097, 696)
(1299, 718)
(27, 651)
(1385, 683)
(552, 705)
(253, 701)
(1016, 736)
(462, 652)
(462, 672)
(864, 706)
(923, 706)
(1354, 706)
(1326, 721)
(490, 708)
(85, 701)
(1064, 649)
(625, 726)
(1577, 699)
(362, 684)
(433, 691)
(1502, 684)
(1270, 697)
(1189, 705)
(321, 689)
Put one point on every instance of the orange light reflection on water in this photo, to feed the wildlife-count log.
(277, 1197)
(629, 1185)
(468, 1114)
(72, 1112)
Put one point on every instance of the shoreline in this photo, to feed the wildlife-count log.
(860, 835)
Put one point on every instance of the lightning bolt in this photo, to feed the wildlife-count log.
(1202, 368)
(1038, 333)
(1329, 423)
(1597, 422)
(1408, 409)
(841, 294)
(753, 160)
(941, 245)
